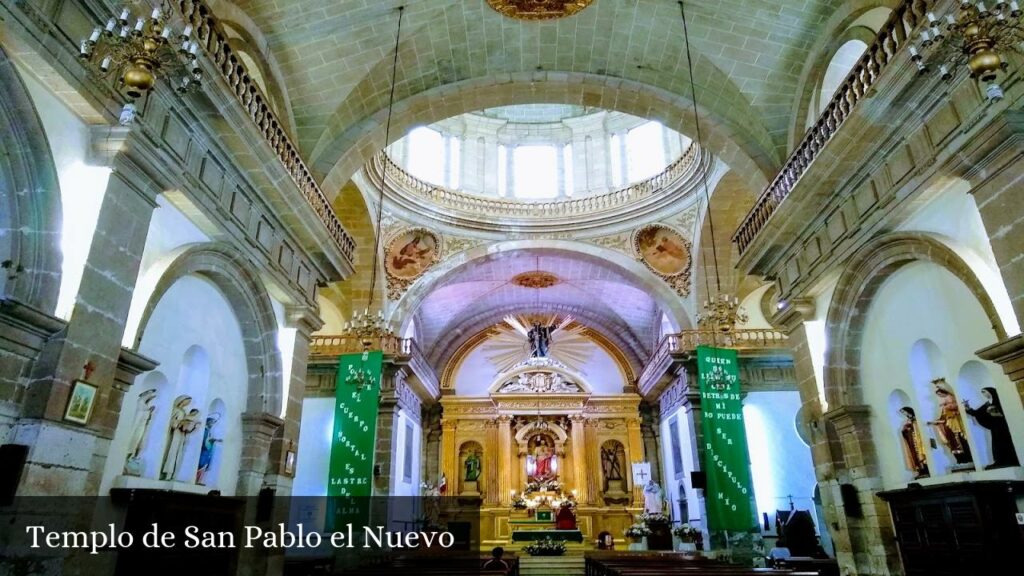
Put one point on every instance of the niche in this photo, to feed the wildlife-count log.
(211, 445)
(940, 410)
(152, 405)
(613, 466)
(985, 418)
(471, 463)
(909, 436)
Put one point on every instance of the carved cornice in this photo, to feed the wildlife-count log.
(214, 42)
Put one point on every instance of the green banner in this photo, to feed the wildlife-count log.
(357, 398)
(726, 461)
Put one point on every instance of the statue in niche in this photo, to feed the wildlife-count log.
(913, 447)
(187, 424)
(950, 426)
(990, 415)
(653, 500)
(541, 463)
(140, 432)
(206, 452)
(175, 440)
(472, 466)
(611, 461)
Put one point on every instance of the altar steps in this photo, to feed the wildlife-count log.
(552, 565)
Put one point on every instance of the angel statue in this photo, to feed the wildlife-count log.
(520, 338)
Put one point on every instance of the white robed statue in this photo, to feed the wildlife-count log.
(140, 432)
(653, 500)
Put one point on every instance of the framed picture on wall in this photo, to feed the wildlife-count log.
(80, 403)
(289, 462)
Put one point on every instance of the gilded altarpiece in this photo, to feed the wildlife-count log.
(542, 438)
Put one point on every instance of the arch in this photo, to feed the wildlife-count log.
(339, 155)
(30, 205)
(858, 283)
(843, 59)
(569, 375)
(633, 269)
(241, 285)
(848, 22)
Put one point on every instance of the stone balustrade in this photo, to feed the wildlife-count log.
(891, 38)
(214, 43)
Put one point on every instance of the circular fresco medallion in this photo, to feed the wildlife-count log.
(535, 279)
(538, 9)
(663, 249)
(410, 253)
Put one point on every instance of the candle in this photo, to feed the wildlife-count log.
(156, 14)
(951, 20)
(166, 34)
(931, 17)
(83, 48)
(124, 32)
(140, 24)
(105, 65)
(124, 16)
(95, 34)
(187, 31)
(913, 51)
(110, 24)
(925, 38)
(1014, 7)
(981, 7)
(193, 49)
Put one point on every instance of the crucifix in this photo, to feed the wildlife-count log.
(88, 369)
(642, 474)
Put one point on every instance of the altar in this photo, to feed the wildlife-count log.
(541, 443)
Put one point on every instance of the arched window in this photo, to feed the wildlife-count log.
(645, 151)
(426, 150)
(536, 172)
(839, 67)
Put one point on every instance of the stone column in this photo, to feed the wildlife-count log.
(305, 321)
(865, 538)
(89, 346)
(505, 460)
(992, 167)
(579, 457)
(258, 431)
(491, 483)
(449, 454)
(594, 487)
(635, 444)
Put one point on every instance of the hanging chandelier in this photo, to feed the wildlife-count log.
(368, 326)
(138, 54)
(722, 314)
(975, 35)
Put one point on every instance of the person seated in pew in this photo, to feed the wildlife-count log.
(495, 562)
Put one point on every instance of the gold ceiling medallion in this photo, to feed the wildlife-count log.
(539, 9)
(408, 255)
(666, 253)
(535, 279)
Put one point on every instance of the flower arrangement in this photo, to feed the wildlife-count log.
(545, 547)
(518, 502)
(687, 533)
(543, 486)
(649, 518)
(638, 530)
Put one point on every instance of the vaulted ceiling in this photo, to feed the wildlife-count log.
(334, 57)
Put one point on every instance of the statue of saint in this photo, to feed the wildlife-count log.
(176, 439)
(144, 410)
(913, 448)
(542, 462)
(540, 340)
(611, 462)
(472, 465)
(207, 449)
(653, 500)
(949, 426)
(990, 415)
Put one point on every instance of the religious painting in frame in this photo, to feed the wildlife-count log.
(665, 252)
(408, 255)
(81, 402)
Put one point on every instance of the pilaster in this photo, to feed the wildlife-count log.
(579, 457)
(258, 430)
(505, 455)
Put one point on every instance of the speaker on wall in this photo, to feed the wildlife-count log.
(12, 462)
(851, 502)
(698, 479)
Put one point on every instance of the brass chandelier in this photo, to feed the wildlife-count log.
(977, 35)
(722, 314)
(139, 53)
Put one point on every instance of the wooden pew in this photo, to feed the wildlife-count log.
(671, 563)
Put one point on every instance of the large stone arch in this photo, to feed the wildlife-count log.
(860, 280)
(344, 153)
(671, 302)
(30, 205)
(240, 283)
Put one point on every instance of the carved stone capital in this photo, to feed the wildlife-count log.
(260, 424)
(794, 313)
(305, 319)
